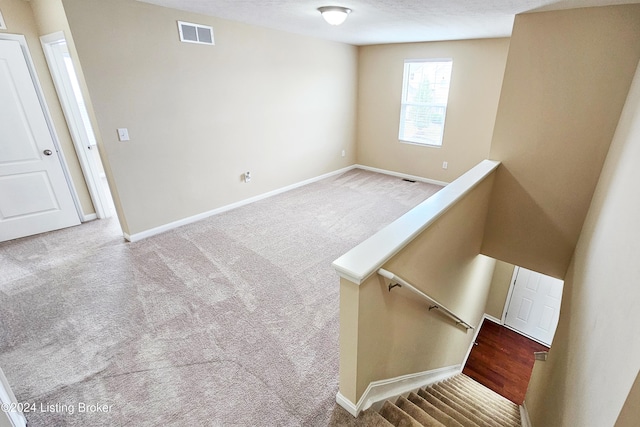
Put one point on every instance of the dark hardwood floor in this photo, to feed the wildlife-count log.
(502, 360)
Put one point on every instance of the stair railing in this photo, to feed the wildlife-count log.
(433, 304)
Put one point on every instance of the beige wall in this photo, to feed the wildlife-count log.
(49, 17)
(19, 19)
(279, 105)
(565, 82)
(499, 290)
(595, 356)
(478, 67)
(396, 334)
(349, 311)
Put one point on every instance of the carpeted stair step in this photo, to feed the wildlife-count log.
(484, 405)
(485, 391)
(397, 416)
(436, 413)
(456, 402)
(372, 418)
(446, 409)
(479, 390)
(480, 401)
(493, 420)
(463, 409)
(367, 418)
(477, 405)
(417, 414)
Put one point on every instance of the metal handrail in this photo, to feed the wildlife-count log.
(398, 281)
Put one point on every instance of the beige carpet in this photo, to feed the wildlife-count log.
(456, 402)
(232, 321)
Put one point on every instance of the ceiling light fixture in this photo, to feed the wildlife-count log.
(334, 15)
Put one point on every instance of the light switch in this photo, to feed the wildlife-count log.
(123, 134)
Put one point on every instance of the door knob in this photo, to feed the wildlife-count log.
(47, 152)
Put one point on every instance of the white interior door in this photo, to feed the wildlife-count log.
(34, 194)
(534, 306)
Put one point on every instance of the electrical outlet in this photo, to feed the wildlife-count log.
(445, 165)
(343, 153)
(247, 177)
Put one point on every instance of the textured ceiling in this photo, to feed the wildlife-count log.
(383, 21)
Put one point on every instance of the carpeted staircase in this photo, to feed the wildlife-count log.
(456, 402)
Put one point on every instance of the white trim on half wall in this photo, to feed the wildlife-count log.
(379, 391)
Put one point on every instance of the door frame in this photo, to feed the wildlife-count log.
(512, 285)
(75, 124)
(22, 40)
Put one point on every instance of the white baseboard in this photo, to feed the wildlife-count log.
(349, 406)
(175, 224)
(493, 319)
(524, 416)
(402, 175)
(379, 391)
(88, 217)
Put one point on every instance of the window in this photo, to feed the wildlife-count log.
(425, 91)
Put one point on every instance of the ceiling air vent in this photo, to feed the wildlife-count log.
(195, 33)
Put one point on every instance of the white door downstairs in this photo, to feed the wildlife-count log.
(534, 307)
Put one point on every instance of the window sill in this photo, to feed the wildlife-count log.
(421, 144)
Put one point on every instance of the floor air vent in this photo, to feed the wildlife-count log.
(195, 33)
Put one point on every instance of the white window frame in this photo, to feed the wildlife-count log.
(404, 104)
